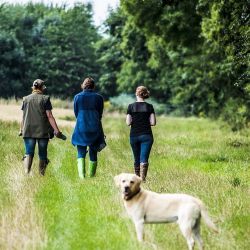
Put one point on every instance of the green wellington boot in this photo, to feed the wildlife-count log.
(92, 168)
(81, 167)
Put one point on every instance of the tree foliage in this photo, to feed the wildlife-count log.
(192, 55)
(52, 43)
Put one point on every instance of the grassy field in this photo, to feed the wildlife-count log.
(59, 211)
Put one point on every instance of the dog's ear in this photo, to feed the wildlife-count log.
(117, 179)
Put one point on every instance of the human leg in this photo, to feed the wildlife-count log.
(92, 161)
(146, 145)
(81, 154)
(42, 152)
(30, 144)
(136, 148)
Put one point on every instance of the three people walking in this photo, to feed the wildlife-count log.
(39, 125)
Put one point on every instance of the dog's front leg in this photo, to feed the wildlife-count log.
(139, 224)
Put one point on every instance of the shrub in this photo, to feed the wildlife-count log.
(121, 102)
(235, 115)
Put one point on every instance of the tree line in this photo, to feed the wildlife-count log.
(48, 42)
(192, 55)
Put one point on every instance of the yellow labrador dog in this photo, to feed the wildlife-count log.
(148, 207)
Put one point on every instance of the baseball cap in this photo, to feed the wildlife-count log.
(38, 83)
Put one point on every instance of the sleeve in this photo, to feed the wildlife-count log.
(48, 105)
(152, 109)
(75, 106)
(23, 104)
(100, 105)
(129, 111)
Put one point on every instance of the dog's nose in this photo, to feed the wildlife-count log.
(126, 188)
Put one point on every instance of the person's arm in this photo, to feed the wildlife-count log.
(75, 107)
(53, 124)
(21, 128)
(152, 119)
(129, 119)
(101, 106)
(52, 121)
(21, 122)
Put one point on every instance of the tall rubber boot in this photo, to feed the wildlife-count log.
(92, 168)
(81, 167)
(42, 166)
(144, 167)
(27, 162)
(137, 170)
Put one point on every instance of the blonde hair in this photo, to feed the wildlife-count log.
(88, 83)
(142, 92)
(38, 84)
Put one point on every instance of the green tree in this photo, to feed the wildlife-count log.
(110, 55)
(58, 45)
(11, 65)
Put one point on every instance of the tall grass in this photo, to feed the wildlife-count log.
(194, 156)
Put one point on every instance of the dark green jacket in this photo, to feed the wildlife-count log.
(35, 120)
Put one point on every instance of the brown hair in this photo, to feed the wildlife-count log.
(88, 83)
(142, 92)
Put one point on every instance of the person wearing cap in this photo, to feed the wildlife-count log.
(88, 132)
(38, 126)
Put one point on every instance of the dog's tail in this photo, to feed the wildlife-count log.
(206, 218)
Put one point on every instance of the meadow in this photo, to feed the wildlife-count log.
(59, 211)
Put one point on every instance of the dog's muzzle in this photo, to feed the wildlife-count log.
(126, 191)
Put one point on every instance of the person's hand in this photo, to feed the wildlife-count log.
(60, 135)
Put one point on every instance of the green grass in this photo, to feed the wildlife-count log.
(194, 156)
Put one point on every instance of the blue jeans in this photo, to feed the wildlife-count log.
(141, 146)
(82, 151)
(30, 144)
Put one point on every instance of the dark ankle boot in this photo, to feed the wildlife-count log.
(144, 167)
(42, 166)
(137, 170)
(27, 162)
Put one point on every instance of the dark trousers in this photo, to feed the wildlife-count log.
(141, 147)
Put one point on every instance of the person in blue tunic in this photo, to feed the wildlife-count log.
(88, 132)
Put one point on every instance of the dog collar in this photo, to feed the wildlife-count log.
(127, 198)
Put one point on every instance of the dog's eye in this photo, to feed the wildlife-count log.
(123, 181)
(132, 182)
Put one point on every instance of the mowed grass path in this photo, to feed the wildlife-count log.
(59, 211)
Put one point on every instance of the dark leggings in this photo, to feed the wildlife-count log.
(82, 151)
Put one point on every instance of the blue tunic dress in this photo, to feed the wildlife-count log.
(88, 109)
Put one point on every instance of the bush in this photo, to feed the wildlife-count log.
(235, 115)
(121, 102)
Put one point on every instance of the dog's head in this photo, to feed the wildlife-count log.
(128, 183)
